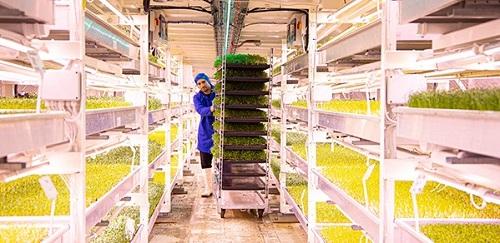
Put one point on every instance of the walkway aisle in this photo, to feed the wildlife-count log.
(195, 219)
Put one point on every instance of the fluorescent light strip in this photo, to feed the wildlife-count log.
(492, 51)
(485, 66)
(447, 58)
(348, 6)
(116, 11)
(443, 72)
(14, 45)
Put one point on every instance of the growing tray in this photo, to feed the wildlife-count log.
(246, 106)
(246, 119)
(245, 147)
(243, 170)
(234, 161)
(243, 66)
(242, 183)
(245, 133)
(248, 79)
(246, 92)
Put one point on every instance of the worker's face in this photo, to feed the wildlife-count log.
(203, 85)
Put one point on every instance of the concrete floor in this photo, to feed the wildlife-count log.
(195, 219)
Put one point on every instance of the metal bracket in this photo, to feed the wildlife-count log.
(419, 184)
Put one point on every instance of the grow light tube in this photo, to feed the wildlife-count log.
(115, 11)
(485, 66)
(14, 45)
(103, 81)
(492, 51)
(333, 17)
(482, 192)
(18, 78)
(446, 58)
(352, 76)
(444, 72)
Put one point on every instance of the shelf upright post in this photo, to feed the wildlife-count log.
(284, 207)
(188, 135)
(311, 124)
(167, 203)
(77, 181)
(180, 129)
(387, 128)
(144, 170)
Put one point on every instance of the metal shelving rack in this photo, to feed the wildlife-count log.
(436, 131)
(391, 49)
(360, 126)
(100, 71)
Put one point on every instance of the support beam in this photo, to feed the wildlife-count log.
(311, 143)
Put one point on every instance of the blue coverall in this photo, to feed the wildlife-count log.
(202, 104)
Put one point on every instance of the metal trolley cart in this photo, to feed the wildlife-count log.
(243, 183)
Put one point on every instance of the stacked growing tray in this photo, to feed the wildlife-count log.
(244, 173)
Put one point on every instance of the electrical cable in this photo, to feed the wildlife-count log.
(52, 215)
(415, 210)
(365, 178)
(473, 202)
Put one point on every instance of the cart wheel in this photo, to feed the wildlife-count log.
(260, 213)
(222, 212)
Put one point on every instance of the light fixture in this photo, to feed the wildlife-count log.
(116, 11)
(495, 65)
(14, 45)
(444, 72)
(90, 70)
(19, 78)
(447, 57)
(492, 51)
(334, 17)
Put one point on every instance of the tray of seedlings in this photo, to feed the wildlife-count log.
(240, 145)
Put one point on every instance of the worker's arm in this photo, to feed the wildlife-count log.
(202, 110)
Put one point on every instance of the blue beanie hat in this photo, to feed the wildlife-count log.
(204, 77)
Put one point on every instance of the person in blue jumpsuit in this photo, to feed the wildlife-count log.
(203, 105)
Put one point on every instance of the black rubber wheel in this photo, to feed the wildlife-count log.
(260, 213)
(222, 212)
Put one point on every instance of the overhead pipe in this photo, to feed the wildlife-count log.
(193, 8)
(189, 22)
(217, 14)
(239, 19)
(257, 23)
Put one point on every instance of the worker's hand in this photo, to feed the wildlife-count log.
(212, 108)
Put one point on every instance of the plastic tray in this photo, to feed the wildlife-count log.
(243, 66)
(246, 119)
(245, 133)
(242, 183)
(246, 92)
(248, 79)
(233, 161)
(243, 170)
(245, 147)
(246, 106)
